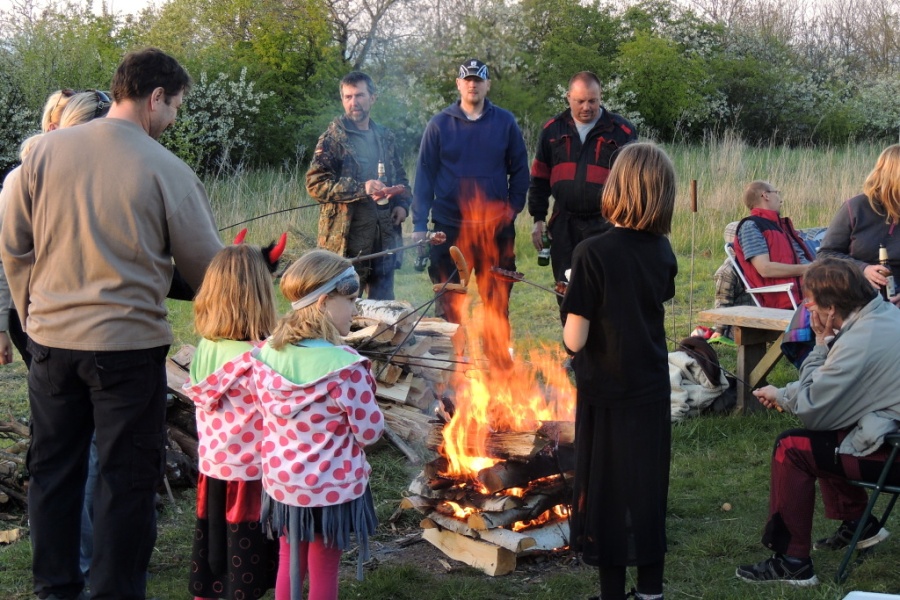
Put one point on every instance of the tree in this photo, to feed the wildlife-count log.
(564, 37)
(60, 45)
(667, 89)
(285, 47)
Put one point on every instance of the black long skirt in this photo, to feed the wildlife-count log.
(232, 557)
(622, 457)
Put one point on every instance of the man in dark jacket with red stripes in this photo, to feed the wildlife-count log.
(574, 155)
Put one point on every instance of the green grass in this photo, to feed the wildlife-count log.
(715, 459)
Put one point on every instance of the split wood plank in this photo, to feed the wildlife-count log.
(505, 538)
(492, 560)
(9, 536)
(396, 392)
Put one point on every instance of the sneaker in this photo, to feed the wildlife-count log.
(778, 570)
(870, 536)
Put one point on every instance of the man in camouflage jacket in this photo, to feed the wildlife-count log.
(345, 178)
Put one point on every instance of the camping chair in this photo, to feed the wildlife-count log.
(786, 288)
(892, 439)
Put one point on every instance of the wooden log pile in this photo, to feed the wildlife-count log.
(14, 438)
(412, 360)
(513, 510)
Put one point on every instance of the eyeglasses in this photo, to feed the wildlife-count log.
(772, 192)
(103, 101)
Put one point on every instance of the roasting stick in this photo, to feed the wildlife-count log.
(432, 238)
(517, 277)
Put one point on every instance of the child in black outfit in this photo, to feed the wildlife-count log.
(614, 322)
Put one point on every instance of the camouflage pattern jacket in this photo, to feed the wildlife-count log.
(333, 180)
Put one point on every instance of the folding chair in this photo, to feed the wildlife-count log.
(786, 288)
(893, 439)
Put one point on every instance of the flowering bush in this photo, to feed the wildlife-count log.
(878, 106)
(16, 123)
(215, 128)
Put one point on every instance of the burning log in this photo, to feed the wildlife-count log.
(535, 505)
(507, 475)
(520, 446)
(559, 432)
(550, 536)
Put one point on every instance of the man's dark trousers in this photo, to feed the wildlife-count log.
(121, 394)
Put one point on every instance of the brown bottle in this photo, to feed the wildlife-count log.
(889, 290)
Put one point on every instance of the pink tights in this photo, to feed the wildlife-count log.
(316, 559)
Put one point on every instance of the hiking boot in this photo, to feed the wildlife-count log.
(871, 535)
(780, 569)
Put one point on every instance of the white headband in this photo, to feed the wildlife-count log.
(326, 287)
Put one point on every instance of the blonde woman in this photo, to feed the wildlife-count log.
(318, 399)
(870, 220)
(64, 108)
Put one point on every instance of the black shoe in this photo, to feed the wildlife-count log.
(871, 535)
(778, 570)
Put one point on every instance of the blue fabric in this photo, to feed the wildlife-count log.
(457, 154)
(813, 237)
(799, 339)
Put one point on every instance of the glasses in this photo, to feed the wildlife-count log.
(103, 101)
(808, 304)
(772, 192)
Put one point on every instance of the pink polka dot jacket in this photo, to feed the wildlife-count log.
(229, 418)
(315, 431)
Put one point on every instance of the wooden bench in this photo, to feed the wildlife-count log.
(754, 328)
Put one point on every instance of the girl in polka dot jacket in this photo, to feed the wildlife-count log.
(318, 399)
(234, 309)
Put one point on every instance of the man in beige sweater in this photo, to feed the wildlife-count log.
(88, 242)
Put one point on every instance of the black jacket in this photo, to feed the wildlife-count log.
(574, 173)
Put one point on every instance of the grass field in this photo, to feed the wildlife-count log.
(716, 459)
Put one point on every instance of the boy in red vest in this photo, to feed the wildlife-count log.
(768, 248)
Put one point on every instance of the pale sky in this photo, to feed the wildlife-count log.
(116, 6)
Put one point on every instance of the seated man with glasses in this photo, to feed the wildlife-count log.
(846, 399)
(768, 248)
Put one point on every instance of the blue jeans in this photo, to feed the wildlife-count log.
(87, 510)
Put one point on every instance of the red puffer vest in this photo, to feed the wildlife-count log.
(778, 232)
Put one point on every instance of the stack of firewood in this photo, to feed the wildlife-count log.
(412, 360)
(505, 515)
(15, 438)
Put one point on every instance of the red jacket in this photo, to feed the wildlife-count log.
(778, 232)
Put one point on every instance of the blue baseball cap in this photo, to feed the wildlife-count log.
(473, 68)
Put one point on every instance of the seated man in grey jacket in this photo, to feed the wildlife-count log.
(847, 400)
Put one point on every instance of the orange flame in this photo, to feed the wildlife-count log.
(560, 511)
(513, 395)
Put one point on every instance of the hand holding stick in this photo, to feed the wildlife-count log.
(767, 397)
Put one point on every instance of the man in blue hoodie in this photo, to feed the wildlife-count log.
(472, 150)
